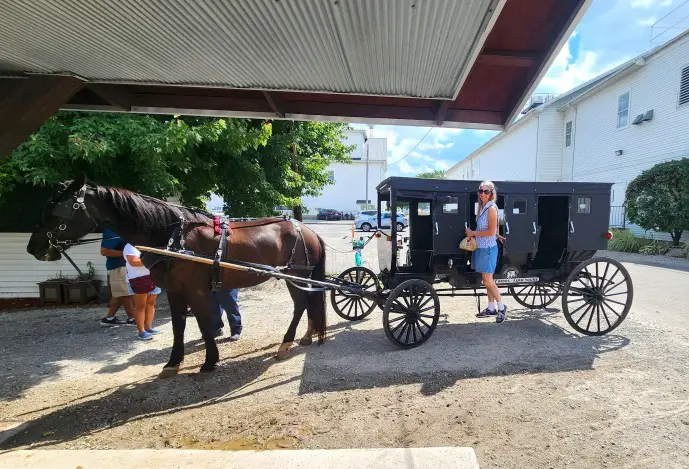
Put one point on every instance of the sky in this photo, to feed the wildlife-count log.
(610, 33)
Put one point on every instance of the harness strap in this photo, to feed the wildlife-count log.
(216, 282)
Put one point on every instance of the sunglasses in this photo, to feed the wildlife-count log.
(487, 191)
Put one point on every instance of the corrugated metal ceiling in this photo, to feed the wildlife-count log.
(413, 48)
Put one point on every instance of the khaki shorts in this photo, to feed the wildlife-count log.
(119, 286)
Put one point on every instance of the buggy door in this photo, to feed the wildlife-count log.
(589, 218)
(450, 217)
(520, 223)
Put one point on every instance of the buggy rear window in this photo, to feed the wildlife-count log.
(424, 209)
(519, 207)
(451, 205)
(583, 204)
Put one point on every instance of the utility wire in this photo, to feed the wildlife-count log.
(410, 151)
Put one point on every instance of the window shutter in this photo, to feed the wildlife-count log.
(684, 87)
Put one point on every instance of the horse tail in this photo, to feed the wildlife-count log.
(316, 300)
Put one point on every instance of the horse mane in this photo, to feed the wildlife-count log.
(148, 213)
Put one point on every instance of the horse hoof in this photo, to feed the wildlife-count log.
(305, 341)
(280, 356)
(169, 372)
(206, 367)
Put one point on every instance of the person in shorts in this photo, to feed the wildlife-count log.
(145, 292)
(121, 293)
(485, 258)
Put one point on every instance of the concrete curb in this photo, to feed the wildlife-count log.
(383, 458)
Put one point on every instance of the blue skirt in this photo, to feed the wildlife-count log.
(484, 260)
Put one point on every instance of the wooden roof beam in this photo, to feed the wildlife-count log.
(502, 58)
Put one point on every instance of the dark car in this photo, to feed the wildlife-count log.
(329, 214)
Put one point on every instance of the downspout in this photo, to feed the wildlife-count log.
(574, 140)
(538, 127)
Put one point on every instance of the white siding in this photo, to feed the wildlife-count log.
(655, 86)
(511, 158)
(551, 139)
(570, 114)
(350, 179)
(20, 272)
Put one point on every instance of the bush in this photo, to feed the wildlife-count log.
(625, 241)
(686, 250)
(654, 247)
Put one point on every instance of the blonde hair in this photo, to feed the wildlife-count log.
(493, 197)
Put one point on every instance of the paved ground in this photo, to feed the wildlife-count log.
(527, 393)
(406, 458)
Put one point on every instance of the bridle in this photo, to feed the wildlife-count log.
(65, 211)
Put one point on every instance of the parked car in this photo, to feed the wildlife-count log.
(329, 214)
(283, 210)
(367, 220)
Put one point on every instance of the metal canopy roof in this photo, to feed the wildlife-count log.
(467, 63)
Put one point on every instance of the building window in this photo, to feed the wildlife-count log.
(583, 204)
(475, 168)
(623, 110)
(684, 87)
(568, 134)
(331, 176)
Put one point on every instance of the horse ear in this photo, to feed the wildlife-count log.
(75, 184)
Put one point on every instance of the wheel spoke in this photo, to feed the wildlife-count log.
(413, 329)
(588, 326)
(404, 328)
(398, 326)
(398, 318)
(598, 313)
(605, 275)
(419, 328)
(611, 309)
(610, 282)
(602, 307)
(356, 309)
(590, 307)
(430, 316)
(616, 302)
(617, 294)
(349, 310)
(406, 339)
(425, 323)
(430, 298)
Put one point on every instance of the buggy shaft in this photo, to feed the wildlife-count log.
(258, 271)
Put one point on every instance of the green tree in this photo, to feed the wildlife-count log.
(658, 199)
(245, 161)
(437, 174)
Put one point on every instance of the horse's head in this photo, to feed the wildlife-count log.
(65, 218)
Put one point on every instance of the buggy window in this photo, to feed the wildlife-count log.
(424, 209)
(519, 207)
(451, 205)
(583, 204)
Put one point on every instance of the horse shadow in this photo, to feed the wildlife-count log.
(529, 342)
(237, 376)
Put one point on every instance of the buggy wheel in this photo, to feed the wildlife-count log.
(535, 296)
(597, 296)
(411, 313)
(351, 306)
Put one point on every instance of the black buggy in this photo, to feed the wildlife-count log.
(552, 231)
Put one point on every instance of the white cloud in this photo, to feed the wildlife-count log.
(647, 21)
(442, 165)
(646, 4)
(406, 168)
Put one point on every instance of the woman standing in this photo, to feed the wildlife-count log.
(485, 258)
(145, 292)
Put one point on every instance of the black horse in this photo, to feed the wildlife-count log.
(82, 206)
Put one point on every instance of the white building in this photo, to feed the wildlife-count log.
(348, 193)
(609, 129)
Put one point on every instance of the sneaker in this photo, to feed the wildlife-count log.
(219, 333)
(234, 336)
(130, 322)
(501, 316)
(145, 335)
(486, 313)
(113, 321)
(154, 331)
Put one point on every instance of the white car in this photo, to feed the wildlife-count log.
(368, 220)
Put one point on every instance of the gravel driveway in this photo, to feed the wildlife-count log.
(526, 393)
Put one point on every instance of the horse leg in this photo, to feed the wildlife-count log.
(299, 299)
(201, 304)
(178, 309)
